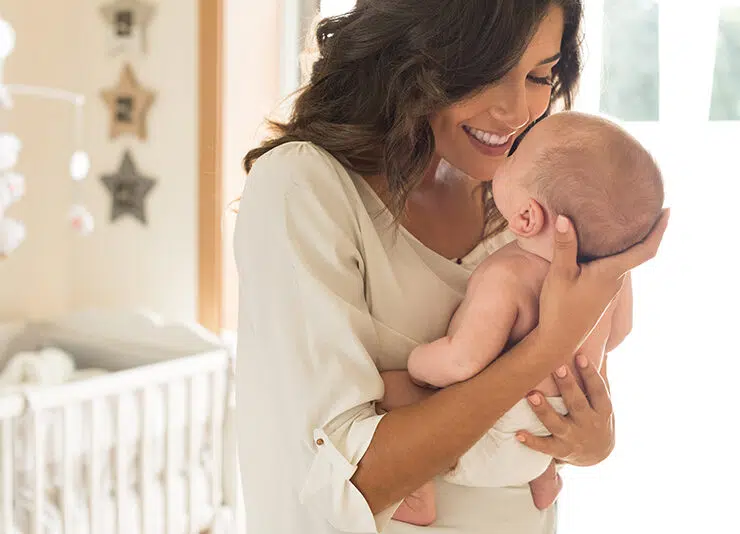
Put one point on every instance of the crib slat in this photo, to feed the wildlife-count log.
(94, 480)
(217, 427)
(7, 475)
(67, 476)
(39, 473)
(193, 459)
(146, 477)
(120, 465)
(170, 472)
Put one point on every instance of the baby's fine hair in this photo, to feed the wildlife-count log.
(600, 177)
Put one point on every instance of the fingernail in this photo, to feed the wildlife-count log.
(582, 361)
(534, 399)
(521, 438)
(561, 225)
(561, 371)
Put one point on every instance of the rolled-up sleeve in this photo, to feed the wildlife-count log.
(299, 251)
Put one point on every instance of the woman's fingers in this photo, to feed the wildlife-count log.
(597, 389)
(547, 445)
(639, 253)
(574, 398)
(552, 420)
(565, 254)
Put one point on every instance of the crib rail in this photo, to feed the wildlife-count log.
(167, 393)
(11, 408)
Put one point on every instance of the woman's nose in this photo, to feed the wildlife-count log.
(511, 107)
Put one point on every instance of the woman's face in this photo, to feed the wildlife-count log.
(475, 135)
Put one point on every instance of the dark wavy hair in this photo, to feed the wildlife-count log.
(383, 68)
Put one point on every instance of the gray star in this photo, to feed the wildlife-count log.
(128, 18)
(128, 190)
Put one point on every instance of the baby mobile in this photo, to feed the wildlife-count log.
(12, 184)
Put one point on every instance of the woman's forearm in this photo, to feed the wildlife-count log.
(415, 443)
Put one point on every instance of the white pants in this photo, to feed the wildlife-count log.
(498, 460)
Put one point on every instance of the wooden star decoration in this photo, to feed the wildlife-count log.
(129, 22)
(128, 105)
(128, 190)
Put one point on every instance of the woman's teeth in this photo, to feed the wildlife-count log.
(486, 138)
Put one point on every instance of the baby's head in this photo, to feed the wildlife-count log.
(588, 169)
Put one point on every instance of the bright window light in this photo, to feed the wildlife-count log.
(331, 8)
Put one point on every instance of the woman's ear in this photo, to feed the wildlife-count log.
(529, 220)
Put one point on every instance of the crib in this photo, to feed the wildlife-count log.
(145, 447)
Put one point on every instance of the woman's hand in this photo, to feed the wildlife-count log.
(574, 297)
(586, 435)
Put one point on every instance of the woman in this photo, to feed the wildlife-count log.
(354, 244)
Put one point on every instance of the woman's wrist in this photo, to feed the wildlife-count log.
(553, 346)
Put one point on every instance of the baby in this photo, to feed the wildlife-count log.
(595, 173)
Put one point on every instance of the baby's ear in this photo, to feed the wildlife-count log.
(529, 220)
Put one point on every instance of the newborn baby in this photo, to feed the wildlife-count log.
(595, 173)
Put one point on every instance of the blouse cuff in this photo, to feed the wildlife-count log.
(328, 490)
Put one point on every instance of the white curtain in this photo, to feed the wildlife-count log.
(675, 468)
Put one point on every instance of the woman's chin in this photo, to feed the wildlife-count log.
(477, 168)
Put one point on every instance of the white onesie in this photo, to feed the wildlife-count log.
(498, 460)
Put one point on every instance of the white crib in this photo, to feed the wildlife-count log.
(140, 449)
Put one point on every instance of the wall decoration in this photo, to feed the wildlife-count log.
(128, 190)
(128, 22)
(13, 184)
(12, 232)
(81, 219)
(128, 104)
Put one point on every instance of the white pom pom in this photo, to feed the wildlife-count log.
(12, 187)
(6, 99)
(7, 38)
(10, 147)
(12, 234)
(79, 165)
(81, 219)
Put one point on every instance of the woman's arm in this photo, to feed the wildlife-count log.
(413, 444)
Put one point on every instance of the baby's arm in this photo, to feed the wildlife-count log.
(622, 318)
(486, 322)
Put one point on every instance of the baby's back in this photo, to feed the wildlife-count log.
(530, 272)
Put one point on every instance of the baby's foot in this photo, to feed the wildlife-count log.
(546, 487)
(419, 508)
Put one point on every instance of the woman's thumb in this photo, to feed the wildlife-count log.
(565, 254)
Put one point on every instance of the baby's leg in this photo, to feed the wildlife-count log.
(419, 508)
(545, 488)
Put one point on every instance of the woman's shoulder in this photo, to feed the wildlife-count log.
(300, 165)
(301, 177)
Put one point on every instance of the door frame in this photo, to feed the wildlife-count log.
(210, 171)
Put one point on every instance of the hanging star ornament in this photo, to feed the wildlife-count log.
(128, 105)
(129, 23)
(128, 190)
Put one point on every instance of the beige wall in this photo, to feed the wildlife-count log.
(123, 264)
(251, 92)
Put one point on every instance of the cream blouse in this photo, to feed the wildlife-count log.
(330, 295)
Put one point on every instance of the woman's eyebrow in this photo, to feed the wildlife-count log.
(550, 59)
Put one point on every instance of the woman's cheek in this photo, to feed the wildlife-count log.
(539, 99)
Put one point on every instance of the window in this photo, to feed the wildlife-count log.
(672, 380)
(629, 78)
(726, 87)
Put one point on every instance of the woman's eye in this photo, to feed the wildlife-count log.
(541, 80)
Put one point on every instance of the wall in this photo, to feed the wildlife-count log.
(122, 264)
(251, 92)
